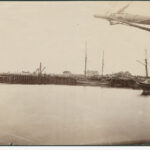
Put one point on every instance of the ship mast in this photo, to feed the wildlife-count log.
(85, 67)
(102, 63)
(40, 69)
(146, 63)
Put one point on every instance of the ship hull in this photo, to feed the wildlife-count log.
(144, 86)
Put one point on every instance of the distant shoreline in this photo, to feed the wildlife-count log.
(102, 81)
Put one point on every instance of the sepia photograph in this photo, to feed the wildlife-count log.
(74, 73)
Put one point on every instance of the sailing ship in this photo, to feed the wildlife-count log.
(145, 85)
(91, 77)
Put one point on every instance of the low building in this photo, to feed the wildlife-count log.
(67, 73)
(25, 73)
(92, 73)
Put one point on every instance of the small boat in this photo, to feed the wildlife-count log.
(145, 86)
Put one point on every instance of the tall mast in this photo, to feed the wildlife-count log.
(146, 63)
(102, 63)
(40, 68)
(85, 59)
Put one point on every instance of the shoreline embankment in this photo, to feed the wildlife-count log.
(120, 82)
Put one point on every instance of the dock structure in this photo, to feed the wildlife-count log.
(35, 79)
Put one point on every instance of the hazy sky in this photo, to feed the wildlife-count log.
(54, 33)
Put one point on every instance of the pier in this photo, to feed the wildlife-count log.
(36, 79)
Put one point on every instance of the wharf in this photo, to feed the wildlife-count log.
(36, 79)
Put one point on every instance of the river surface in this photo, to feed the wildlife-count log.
(72, 115)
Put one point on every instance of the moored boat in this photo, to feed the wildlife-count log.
(145, 86)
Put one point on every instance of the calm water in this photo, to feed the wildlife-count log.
(58, 115)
